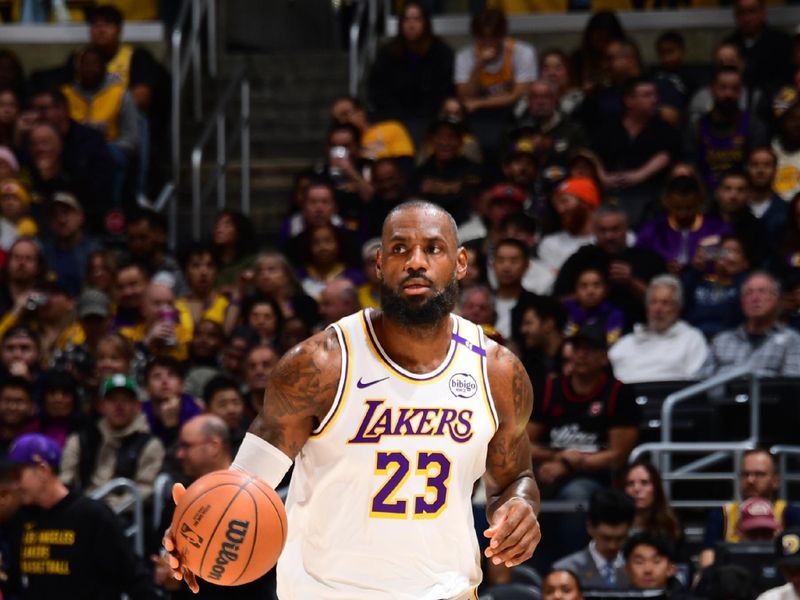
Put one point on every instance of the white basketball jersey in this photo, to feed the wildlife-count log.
(380, 503)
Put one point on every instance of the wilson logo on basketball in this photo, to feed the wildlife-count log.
(229, 551)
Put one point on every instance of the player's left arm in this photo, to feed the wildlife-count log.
(512, 494)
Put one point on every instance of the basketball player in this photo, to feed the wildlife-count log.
(390, 418)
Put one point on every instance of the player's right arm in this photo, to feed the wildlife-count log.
(299, 395)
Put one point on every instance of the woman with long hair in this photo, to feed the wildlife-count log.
(643, 483)
(235, 245)
(588, 61)
(555, 67)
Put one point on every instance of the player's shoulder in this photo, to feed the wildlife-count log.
(508, 381)
(320, 348)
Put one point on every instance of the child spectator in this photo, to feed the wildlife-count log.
(589, 306)
(712, 299)
(14, 219)
(203, 302)
(167, 406)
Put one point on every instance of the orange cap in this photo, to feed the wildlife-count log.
(583, 188)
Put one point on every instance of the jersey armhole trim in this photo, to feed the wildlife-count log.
(487, 390)
(344, 381)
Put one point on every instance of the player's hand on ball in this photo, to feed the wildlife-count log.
(179, 571)
(514, 533)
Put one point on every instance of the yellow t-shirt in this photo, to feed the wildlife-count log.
(215, 312)
(184, 331)
(387, 139)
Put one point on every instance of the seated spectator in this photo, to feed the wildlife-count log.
(317, 207)
(68, 247)
(53, 319)
(757, 522)
(477, 305)
(100, 560)
(391, 189)
(24, 269)
(764, 203)
(130, 284)
(492, 74)
(204, 446)
(674, 83)
(413, 72)
(261, 315)
(165, 330)
(521, 166)
(510, 264)
(100, 270)
(555, 67)
(115, 354)
(9, 165)
(600, 566)
(654, 515)
(786, 143)
(61, 410)
(21, 354)
(650, 565)
(575, 199)
(235, 246)
(258, 365)
(447, 178)
(666, 348)
(76, 160)
(452, 109)
(629, 268)
(337, 300)
(723, 136)
(561, 585)
(14, 220)
(275, 277)
(712, 299)
(385, 139)
(758, 478)
(325, 256)
(787, 555)
(167, 406)
(294, 331)
(636, 150)
(224, 399)
(12, 124)
(369, 292)
(541, 337)
(677, 235)
(120, 444)
(519, 226)
(769, 348)
(146, 238)
(17, 410)
(204, 352)
(730, 205)
(234, 354)
(203, 301)
(590, 307)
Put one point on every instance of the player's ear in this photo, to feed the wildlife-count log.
(462, 263)
(379, 263)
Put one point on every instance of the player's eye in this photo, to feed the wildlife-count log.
(398, 249)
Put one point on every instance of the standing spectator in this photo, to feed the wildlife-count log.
(589, 306)
(118, 445)
(665, 348)
(787, 554)
(385, 139)
(447, 178)
(765, 204)
(677, 235)
(636, 150)
(654, 515)
(770, 348)
(786, 143)
(235, 245)
(629, 268)
(100, 560)
(601, 564)
(555, 67)
(575, 200)
(492, 74)
(510, 263)
(758, 478)
(68, 248)
(767, 50)
(413, 72)
(721, 138)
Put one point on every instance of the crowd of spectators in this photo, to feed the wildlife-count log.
(623, 225)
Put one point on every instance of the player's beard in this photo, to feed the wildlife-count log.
(417, 311)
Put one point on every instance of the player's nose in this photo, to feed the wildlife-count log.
(417, 259)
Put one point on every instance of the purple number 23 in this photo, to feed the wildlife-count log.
(434, 466)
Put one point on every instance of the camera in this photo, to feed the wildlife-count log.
(35, 301)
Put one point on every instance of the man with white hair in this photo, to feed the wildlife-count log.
(666, 348)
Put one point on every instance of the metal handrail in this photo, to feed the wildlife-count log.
(136, 530)
(162, 490)
(358, 59)
(216, 126)
(783, 452)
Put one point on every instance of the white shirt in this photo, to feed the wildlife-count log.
(537, 279)
(502, 307)
(645, 355)
(600, 561)
(784, 592)
(556, 248)
(523, 61)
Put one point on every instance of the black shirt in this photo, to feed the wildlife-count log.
(74, 551)
(462, 173)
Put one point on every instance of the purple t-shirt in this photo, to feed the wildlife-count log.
(680, 245)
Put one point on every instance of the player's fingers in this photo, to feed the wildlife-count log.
(509, 540)
(167, 542)
(191, 581)
(504, 528)
(178, 490)
(518, 553)
(174, 563)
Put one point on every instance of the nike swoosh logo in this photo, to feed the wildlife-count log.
(361, 385)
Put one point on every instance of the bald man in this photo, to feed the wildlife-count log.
(338, 299)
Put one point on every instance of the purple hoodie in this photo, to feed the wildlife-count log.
(672, 244)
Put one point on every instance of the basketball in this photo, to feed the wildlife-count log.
(229, 528)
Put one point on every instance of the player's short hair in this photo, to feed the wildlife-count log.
(423, 205)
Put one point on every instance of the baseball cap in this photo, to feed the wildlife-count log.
(523, 146)
(583, 188)
(591, 333)
(451, 122)
(757, 513)
(118, 381)
(7, 156)
(93, 302)
(35, 448)
(68, 199)
(787, 548)
(785, 99)
(507, 192)
(12, 187)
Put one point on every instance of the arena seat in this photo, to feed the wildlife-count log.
(526, 575)
(511, 591)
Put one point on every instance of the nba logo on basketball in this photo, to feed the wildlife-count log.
(463, 385)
